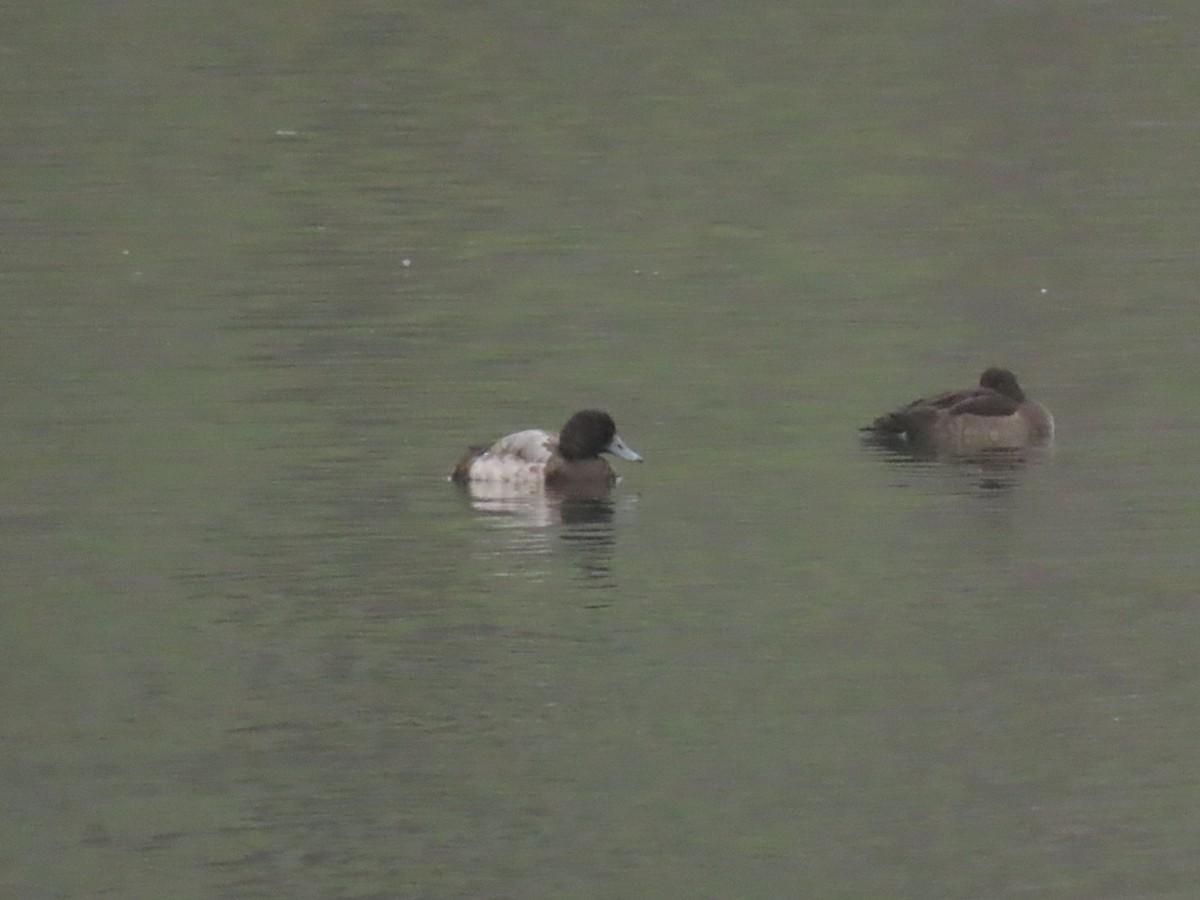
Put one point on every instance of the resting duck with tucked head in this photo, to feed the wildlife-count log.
(996, 415)
(533, 458)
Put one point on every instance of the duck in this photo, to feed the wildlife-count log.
(535, 458)
(995, 415)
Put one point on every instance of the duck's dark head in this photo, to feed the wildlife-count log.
(1003, 381)
(589, 433)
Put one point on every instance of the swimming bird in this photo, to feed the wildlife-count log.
(996, 415)
(533, 457)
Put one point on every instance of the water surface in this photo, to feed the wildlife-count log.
(267, 275)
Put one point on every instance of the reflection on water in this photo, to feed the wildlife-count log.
(533, 527)
(998, 469)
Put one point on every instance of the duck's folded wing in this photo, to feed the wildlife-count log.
(950, 399)
(531, 446)
(986, 403)
(900, 419)
(925, 408)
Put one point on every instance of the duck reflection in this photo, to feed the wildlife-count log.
(996, 469)
(534, 525)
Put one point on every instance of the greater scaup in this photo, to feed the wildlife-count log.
(535, 457)
(996, 415)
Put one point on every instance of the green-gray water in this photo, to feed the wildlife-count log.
(267, 270)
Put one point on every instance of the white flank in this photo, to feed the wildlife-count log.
(516, 459)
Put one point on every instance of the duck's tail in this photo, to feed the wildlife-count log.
(462, 471)
(901, 422)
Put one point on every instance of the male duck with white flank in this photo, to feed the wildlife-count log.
(996, 415)
(534, 457)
